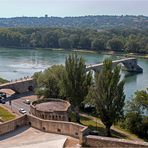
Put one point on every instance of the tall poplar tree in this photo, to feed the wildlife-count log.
(76, 82)
(109, 95)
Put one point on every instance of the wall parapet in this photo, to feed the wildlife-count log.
(59, 127)
(68, 128)
(13, 124)
(99, 141)
(48, 110)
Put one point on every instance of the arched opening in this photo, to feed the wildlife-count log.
(30, 88)
(44, 129)
(59, 130)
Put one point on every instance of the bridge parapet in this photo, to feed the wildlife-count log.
(130, 65)
(20, 86)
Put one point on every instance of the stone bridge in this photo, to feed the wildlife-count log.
(20, 86)
(130, 65)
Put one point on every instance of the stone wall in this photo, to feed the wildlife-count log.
(19, 86)
(51, 114)
(70, 129)
(13, 124)
(59, 127)
(129, 63)
(98, 141)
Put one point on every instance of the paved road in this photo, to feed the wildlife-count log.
(18, 103)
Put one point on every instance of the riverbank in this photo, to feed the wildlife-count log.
(2, 81)
(135, 55)
(126, 54)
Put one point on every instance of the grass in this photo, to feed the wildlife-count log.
(101, 128)
(5, 115)
(2, 81)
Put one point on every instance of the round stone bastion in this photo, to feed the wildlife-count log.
(51, 109)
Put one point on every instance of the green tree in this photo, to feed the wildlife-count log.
(108, 95)
(136, 119)
(76, 82)
(132, 46)
(49, 81)
(115, 44)
(65, 43)
(98, 44)
(75, 40)
(85, 42)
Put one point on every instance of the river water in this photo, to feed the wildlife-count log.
(18, 63)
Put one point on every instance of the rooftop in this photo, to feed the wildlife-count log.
(53, 105)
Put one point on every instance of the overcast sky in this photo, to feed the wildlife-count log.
(12, 8)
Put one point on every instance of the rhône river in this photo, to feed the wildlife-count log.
(17, 63)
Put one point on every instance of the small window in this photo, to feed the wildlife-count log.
(44, 129)
(59, 130)
(76, 133)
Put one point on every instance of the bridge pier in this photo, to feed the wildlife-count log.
(132, 66)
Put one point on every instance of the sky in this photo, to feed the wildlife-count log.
(62, 8)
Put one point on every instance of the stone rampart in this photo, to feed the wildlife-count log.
(70, 129)
(20, 86)
(13, 124)
(59, 127)
(130, 65)
(98, 141)
(51, 114)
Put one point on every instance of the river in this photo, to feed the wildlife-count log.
(17, 63)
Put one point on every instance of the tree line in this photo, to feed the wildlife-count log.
(121, 40)
(97, 22)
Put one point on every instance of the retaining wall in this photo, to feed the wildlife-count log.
(13, 124)
(98, 141)
(59, 127)
(68, 128)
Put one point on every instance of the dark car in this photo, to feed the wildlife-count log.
(2, 101)
(2, 94)
(94, 132)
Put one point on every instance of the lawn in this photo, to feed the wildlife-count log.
(93, 125)
(5, 115)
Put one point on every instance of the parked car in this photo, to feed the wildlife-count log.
(94, 132)
(27, 101)
(2, 94)
(2, 101)
(22, 111)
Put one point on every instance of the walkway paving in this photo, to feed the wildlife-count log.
(28, 137)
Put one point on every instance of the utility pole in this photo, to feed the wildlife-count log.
(10, 103)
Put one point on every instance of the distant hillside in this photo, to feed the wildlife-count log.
(97, 22)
